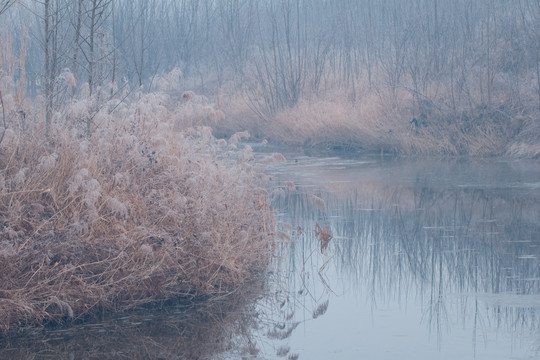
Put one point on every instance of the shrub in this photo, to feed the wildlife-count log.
(137, 213)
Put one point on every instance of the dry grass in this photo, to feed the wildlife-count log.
(325, 122)
(396, 120)
(139, 212)
(376, 123)
(527, 141)
(239, 114)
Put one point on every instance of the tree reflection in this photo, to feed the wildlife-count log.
(466, 251)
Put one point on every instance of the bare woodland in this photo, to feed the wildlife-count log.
(416, 76)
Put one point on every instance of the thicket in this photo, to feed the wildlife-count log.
(410, 77)
(122, 204)
(417, 76)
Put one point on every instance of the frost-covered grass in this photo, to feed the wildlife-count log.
(141, 211)
(394, 119)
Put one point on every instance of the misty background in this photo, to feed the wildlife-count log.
(458, 60)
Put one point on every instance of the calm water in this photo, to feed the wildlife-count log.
(376, 259)
(429, 259)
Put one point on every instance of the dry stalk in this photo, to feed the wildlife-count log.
(3, 117)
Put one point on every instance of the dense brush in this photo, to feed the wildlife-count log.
(136, 213)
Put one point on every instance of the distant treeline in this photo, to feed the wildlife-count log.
(288, 45)
(448, 56)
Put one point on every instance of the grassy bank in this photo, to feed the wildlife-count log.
(138, 212)
(383, 118)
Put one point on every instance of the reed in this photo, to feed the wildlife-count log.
(140, 212)
(395, 119)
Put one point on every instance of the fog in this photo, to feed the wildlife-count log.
(278, 52)
(126, 180)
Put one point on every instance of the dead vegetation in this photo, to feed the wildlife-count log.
(393, 121)
(137, 213)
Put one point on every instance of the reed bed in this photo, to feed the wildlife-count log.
(394, 120)
(139, 212)
(372, 124)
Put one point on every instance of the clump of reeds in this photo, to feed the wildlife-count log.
(138, 212)
(321, 309)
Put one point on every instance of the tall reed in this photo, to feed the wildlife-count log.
(141, 211)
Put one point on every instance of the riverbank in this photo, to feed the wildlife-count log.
(392, 121)
(142, 211)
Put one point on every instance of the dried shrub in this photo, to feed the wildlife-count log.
(139, 212)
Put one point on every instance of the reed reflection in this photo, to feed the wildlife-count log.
(465, 252)
(215, 329)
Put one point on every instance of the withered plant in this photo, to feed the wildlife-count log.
(139, 212)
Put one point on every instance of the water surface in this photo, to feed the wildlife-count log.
(429, 258)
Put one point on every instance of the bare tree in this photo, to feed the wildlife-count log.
(78, 25)
(5, 5)
(50, 64)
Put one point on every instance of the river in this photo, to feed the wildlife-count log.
(422, 258)
(376, 258)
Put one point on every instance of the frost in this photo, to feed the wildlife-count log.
(117, 207)
(92, 185)
(91, 198)
(180, 201)
(120, 179)
(77, 180)
(7, 249)
(216, 115)
(235, 138)
(206, 236)
(47, 162)
(93, 216)
(127, 140)
(274, 158)
(79, 109)
(84, 146)
(146, 250)
(170, 81)
(79, 228)
(83, 172)
(207, 109)
(92, 193)
(20, 177)
(248, 153)
(160, 143)
(69, 78)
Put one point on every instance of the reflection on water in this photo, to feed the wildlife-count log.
(376, 259)
(428, 259)
(210, 330)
